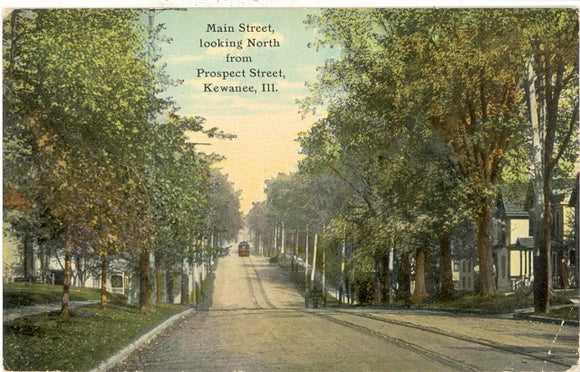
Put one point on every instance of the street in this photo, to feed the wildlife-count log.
(257, 322)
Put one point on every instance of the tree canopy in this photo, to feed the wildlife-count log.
(91, 146)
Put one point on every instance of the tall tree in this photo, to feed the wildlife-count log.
(552, 97)
(447, 68)
(225, 218)
(90, 60)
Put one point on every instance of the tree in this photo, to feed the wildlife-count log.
(259, 224)
(446, 70)
(552, 96)
(90, 60)
(225, 218)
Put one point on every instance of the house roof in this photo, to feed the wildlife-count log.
(525, 242)
(514, 209)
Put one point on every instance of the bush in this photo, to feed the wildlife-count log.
(366, 289)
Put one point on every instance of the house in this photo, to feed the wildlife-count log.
(29, 258)
(463, 275)
(513, 245)
(563, 260)
(463, 243)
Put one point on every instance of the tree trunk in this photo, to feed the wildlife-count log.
(42, 259)
(28, 256)
(184, 285)
(65, 315)
(144, 281)
(577, 231)
(542, 269)
(385, 294)
(420, 292)
(541, 250)
(169, 288)
(446, 268)
(430, 277)
(103, 281)
(486, 286)
(405, 276)
(158, 279)
(76, 258)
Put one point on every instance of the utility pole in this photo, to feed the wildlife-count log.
(391, 267)
(283, 241)
(306, 258)
(313, 274)
(276, 237)
(342, 288)
(324, 275)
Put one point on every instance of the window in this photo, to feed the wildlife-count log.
(116, 281)
(503, 267)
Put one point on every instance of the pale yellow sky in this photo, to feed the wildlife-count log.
(263, 148)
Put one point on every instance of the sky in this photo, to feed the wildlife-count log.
(266, 124)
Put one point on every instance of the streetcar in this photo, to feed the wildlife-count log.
(243, 249)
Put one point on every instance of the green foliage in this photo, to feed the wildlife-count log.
(426, 115)
(259, 222)
(498, 302)
(80, 146)
(300, 199)
(225, 218)
(92, 148)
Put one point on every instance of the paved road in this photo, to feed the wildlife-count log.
(257, 322)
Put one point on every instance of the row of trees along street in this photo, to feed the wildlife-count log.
(98, 159)
(432, 114)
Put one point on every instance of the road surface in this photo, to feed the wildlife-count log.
(257, 322)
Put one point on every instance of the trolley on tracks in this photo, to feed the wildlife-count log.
(243, 249)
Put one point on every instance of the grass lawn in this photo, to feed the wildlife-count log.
(496, 303)
(44, 343)
(565, 312)
(25, 294)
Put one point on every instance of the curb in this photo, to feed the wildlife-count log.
(139, 341)
(518, 314)
(545, 319)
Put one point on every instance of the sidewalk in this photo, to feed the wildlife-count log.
(21, 312)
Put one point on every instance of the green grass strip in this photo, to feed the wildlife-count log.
(44, 343)
(26, 294)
